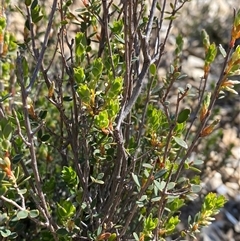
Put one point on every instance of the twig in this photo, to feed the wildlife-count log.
(105, 17)
(138, 88)
(150, 21)
(29, 17)
(12, 202)
(134, 209)
(34, 165)
(44, 47)
(19, 128)
(206, 118)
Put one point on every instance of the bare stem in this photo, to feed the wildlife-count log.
(44, 46)
(34, 164)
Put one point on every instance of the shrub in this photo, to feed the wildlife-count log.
(95, 145)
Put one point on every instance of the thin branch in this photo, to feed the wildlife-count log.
(44, 47)
(19, 128)
(106, 15)
(12, 202)
(138, 88)
(134, 209)
(29, 17)
(34, 164)
(150, 21)
(206, 118)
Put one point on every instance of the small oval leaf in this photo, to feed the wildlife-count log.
(22, 214)
(62, 232)
(42, 114)
(45, 137)
(5, 232)
(3, 190)
(222, 51)
(180, 142)
(183, 115)
(67, 98)
(22, 191)
(160, 173)
(135, 178)
(34, 213)
(17, 158)
(152, 69)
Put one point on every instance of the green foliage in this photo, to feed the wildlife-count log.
(93, 146)
(211, 205)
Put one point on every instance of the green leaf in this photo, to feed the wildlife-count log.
(198, 162)
(237, 19)
(2, 176)
(196, 188)
(3, 218)
(24, 180)
(62, 232)
(3, 190)
(205, 38)
(147, 165)
(85, 93)
(79, 74)
(6, 145)
(65, 209)
(120, 39)
(115, 88)
(160, 173)
(155, 118)
(22, 191)
(211, 54)
(69, 175)
(7, 131)
(213, 203)
(33, 213)
(176, 204)
(67, 98)
(34, 4)
(143, 198)
(182, 76)
(5, 232)
(13, 236)
(100, 176)
(183, 115)
(36, 18)
(179, 42)
(156, 199)
(101, 120)
(112, 237)
(94, 180)
(152, 69)
(80, 45)
(113, 108)
(171, 185)
(194, 169)
(28, 2)
(135, 179)
(136, 236)
(180, 142)
(42, 114)
(150, 223)
(222, 51)
(17, 158)
(171, 224)
(97, 67)
(22, 214)
(45, 137)
(5, 97)
(116, 26)
(159, 185)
